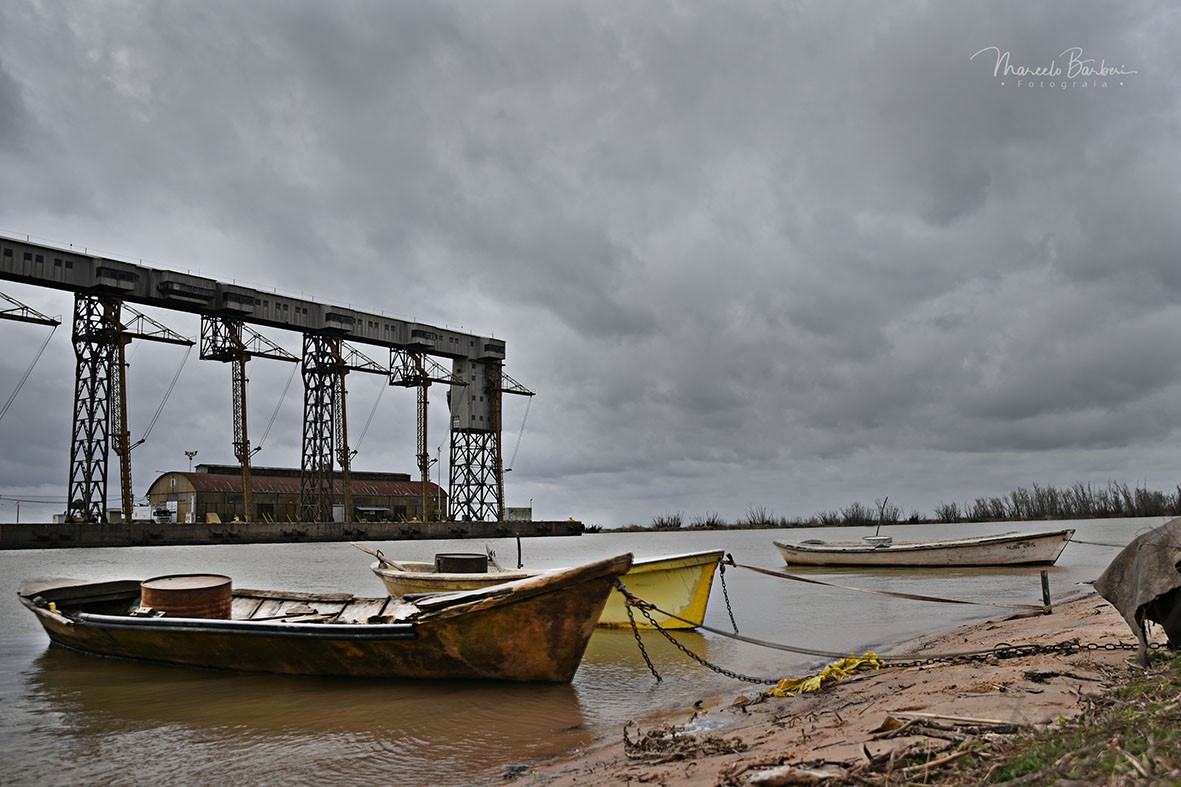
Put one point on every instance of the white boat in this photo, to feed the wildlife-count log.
(677, 584)
(1005, 549)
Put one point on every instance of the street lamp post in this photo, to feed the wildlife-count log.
(190, 455)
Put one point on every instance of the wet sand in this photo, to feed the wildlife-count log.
(752, 739)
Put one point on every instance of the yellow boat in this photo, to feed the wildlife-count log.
(676, 584)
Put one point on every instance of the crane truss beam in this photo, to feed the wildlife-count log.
(22, 313)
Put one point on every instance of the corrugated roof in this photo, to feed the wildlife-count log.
(286, 485)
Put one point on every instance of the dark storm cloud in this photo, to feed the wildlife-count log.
(765, 249)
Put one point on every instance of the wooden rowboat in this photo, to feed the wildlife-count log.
(677, 584)
(533, 629)
(1006, 549)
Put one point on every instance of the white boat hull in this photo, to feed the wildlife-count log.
(1006, 549)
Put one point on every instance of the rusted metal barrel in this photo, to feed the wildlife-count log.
(461, 563)
(189, 595)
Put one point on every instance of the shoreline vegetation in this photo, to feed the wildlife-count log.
(1037, 503)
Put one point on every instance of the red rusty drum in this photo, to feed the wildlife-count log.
(461, 563)
(189, 595)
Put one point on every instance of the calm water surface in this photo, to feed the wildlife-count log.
(66, 718)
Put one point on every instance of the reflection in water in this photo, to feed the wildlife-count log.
(146, 719)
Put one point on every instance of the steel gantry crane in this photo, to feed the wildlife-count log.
(477, 464)
(100, 346)
(102, 284)
(410, 369)
(326, 362)
(227, 339)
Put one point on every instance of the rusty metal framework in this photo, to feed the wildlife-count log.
(417, 370)
(477, 462)
(473, 475)
(321, 362)
(100, 401)
(96, 334)
(229, 340)
(104, 289)
(22, 313)
(340, 425)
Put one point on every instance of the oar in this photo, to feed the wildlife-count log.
(385, 561)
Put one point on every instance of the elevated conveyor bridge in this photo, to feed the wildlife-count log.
(100, 286)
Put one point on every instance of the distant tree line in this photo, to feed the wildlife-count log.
(1081, 501)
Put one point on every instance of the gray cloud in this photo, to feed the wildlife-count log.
(745, 254)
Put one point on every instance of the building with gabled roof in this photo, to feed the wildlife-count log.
(213, 493)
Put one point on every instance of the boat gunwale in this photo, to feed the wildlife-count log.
(853, 547)
(691, 559)
(267, 628)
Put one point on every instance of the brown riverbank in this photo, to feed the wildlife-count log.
(752, 739)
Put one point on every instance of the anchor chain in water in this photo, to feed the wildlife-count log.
(726, 593)
(644, 607)
(636, 630)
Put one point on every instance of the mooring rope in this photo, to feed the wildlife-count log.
(891, 593)
(1000, 650)
(1097, 543)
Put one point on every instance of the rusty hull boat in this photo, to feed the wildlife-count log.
(533, 629)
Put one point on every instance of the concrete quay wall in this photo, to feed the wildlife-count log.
(64, 536)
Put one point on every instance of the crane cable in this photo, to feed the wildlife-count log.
(275, 414)
(28, 371)
(513, 459)
(369, 420)
(164, 401)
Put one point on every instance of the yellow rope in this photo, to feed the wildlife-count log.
(838, 670)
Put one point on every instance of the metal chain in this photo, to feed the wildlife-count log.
(726, 594)
(1006, 651)
(636, 629)
(644, 607)
(1002, 650)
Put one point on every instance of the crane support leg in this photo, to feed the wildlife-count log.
(96, 341)
(477, 469)
(341, 426)
(120, 430)
(472, 476)
(227, 339)
(242, 450)
(321, 358)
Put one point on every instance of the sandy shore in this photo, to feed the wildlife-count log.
(751, 739)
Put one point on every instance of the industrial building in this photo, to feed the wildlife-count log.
(213, 493)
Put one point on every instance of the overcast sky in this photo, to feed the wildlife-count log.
(748, 254)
